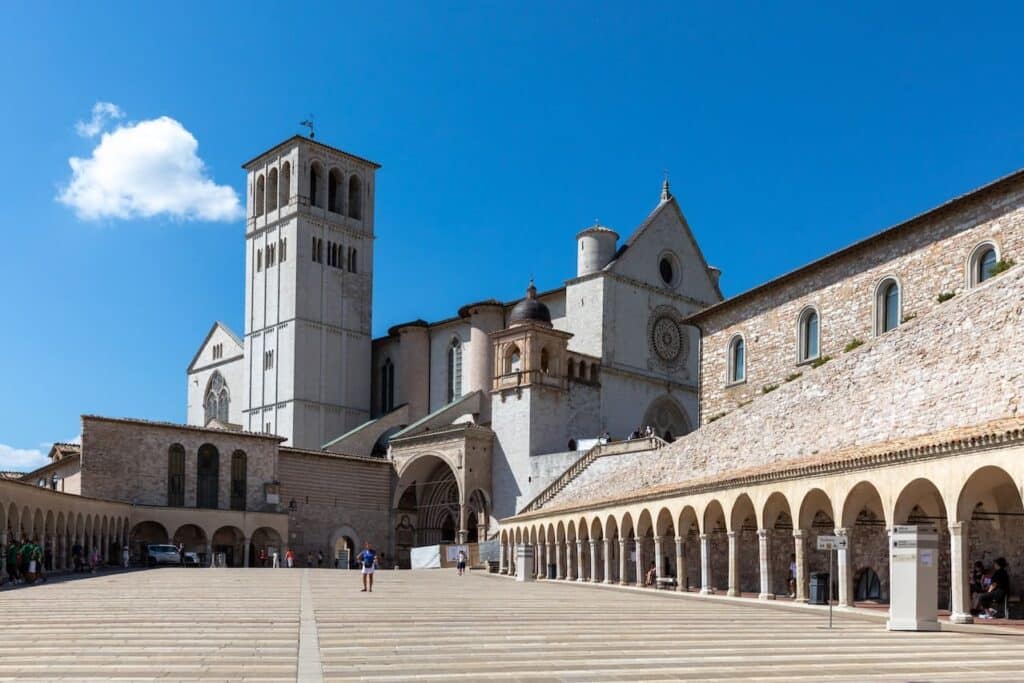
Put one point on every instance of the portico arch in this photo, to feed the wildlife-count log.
(688, 528)
(744, 543)
(817, 517)
(921, 503)
(430, 495)
(777, 521)
(863, 520)
(230, 541)
(194, 540)
(990, 504)
(716, 541)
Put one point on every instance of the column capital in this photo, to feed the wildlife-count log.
(842, 531)
(659, 539)
(799, 533)
(958, 528)
(731, 535)
(623, 542)
(763, 533)
(594, 542)
(704, 537)
(680, 539)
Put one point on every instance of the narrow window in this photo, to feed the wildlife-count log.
(544, 360)
(259, 260)
(352, 261)
(454, 370)
(737, 360)
(314, 184)
(217, 399)
(259, 195)
(207, 476)
(887, 306)
(986, 263)
(809, 335)
(571, 369)
(355, 205)
(513, 361)
(387, 386)
(286, 183)
(313, 252)
(176, 476)
(238, 480)
(272, 189)
(284, 249)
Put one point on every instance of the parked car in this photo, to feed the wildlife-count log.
(162, 554)
(191, 559)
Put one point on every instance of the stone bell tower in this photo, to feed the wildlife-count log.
(309, 285)
(529, 399)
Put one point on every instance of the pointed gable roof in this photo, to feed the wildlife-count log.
(206, 340)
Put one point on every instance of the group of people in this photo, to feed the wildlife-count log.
(990, 586)
(641, 433)
(25, 562)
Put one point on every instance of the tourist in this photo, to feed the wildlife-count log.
(276, 561)
(791, 581)
(125, 556)
(461, 562)
(289, 558)
(309, 559)
(37, 559)
(94, 562)
(997, 591)
(76, 554)
(652, 575)
(605, 438)
(368, 560)
(12, 561)
(319, 558)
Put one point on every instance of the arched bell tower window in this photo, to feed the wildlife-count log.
(259, 195)
(544, 360)
(316, 175)
(334, 184)
(454, 370)
(272, 189)
(217, 400)
(513, 361)
(286, 183)
(355, 203)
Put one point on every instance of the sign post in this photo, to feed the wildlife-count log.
(831, 544)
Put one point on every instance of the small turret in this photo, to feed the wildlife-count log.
(596, 249)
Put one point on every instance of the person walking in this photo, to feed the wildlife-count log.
(319, 558)
(276, 560)
(461, 562)
(289, 558)
(125, 556)
(368, 560)
(791, 580)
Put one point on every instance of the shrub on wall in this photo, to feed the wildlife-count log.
(768, 388)
(1003, 265)
(945, 296)
(853, 343)
(818, 362)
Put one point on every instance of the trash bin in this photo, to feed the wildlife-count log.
(819, 589)
(551, 572)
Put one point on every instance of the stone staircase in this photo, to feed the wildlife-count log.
(652, 443)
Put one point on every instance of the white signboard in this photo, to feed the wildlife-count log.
(425, 557)
(832, 542)
(452, 552)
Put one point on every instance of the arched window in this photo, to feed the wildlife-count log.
(355, 202)
(544, 361)
(315, 178)
(513, 361)
(571, 369)
(593, 372)
(352, 261)
(286, 183)
(454, 370)
(176, 475)
(983, 260)
(809, 335)
(207, 476)
(387, 386)
(259, 195)
(737, 360)
(238, 480)
(334, 184)
(217, 400)
(887, 306)
(272, 189)
(583, 370)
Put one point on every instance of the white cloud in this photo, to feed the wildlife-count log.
(21, 459)
(146, 169)
(102, 113)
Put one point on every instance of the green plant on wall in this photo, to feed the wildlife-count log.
(769, 388)
(945, 296)
(818, 362)
(854, 343)
(1002, 265)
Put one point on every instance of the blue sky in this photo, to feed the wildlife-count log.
(789, 130)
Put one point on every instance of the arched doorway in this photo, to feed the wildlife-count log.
(262, 546)
(667, 418)
(142, 535)
(193, 540)
(230, 541)
(429, 502)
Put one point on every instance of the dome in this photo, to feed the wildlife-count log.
(530, 309)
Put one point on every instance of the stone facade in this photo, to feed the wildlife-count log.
(127, 460)
(928, 255)
(337, 497)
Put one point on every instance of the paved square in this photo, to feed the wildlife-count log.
(432, 625)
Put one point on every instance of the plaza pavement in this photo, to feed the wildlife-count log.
(222, 624)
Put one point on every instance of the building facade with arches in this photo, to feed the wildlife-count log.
(877, 387)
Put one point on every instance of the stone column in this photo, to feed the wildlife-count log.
(580, 573)
(638, 544)
(659, 561)
(960, 573)
(209, 553)
(764, 558)
(558, 561)
(503, 548)
(734, 565)
(705, 565)
(549, 557)
(801, 564)
(844, 560)
(623, 555)
(680, 565)
(542, 570)
(593, 561)
(245, 552)
(3, 553)
(607, 560)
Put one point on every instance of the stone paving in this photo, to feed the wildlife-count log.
(235, 624)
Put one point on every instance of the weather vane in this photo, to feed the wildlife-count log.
(308, 123)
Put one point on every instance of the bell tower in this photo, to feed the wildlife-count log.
(309, 286)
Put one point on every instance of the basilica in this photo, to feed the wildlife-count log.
(629, 421)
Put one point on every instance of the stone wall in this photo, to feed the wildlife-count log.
(127, 460)
(928, 256)
(956, 366)
(336, 496)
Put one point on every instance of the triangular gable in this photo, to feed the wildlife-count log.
(669, 217)
(240, 347)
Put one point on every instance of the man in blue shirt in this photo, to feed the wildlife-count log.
(368, 561)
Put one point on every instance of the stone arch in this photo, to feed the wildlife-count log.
(229, 541)
(688, 529)
(355, 197)
(335, 193)
(435, 498)
(316, 179)
(990, 503)
(259, 201)
(816, 518)
(743, 524)
(263, 543)
(921, 502)
(272, 189)
(668, 418)
(777, 521)
(863, 518)
(715, 530)
(142, 534)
